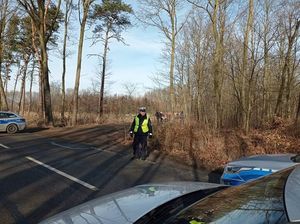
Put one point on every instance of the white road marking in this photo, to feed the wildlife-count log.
(91, 187)
(64, 146)
(4, 146)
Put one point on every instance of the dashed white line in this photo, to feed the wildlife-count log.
(4, 146)
(91, 187)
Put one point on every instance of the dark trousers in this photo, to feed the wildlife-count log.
(140, 146)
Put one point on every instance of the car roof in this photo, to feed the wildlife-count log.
(268, 161)
(8, 112)
(292, 195)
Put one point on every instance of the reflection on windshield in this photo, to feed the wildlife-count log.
(122, 207)
(257, 202)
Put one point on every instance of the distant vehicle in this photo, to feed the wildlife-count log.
(11, 122)
(271, 199)
(252, 167)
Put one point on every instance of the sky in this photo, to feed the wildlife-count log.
(134, 63)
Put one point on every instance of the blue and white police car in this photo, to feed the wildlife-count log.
(11, 122)
(250, 168)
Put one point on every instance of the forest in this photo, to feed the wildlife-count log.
(229, 64)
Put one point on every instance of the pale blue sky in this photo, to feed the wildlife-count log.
(133, 63)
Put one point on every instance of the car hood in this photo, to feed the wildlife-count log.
(128, 205)
(268, 161)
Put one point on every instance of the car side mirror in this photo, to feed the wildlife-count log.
(296, 158)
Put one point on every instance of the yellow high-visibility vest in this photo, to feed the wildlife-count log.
(144, 124)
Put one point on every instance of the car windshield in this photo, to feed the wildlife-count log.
(259, 201)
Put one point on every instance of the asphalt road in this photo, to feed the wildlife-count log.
(43, 174)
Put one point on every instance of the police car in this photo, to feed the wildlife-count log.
(250, 168)
(11, 122)
(271, 199)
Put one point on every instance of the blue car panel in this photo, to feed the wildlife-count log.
(243, 177)
(17, 121)
(256, 166)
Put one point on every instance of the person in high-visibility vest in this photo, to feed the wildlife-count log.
(141, 128)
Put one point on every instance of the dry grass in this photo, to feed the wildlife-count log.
(198, 146)
(210, 149)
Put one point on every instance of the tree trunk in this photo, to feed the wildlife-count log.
(22, 90)
(245, 92)
(38, 13)
(291, 41)
(7, 77)
(298, 111)
(3, 20)
(63, 91)
(45, 76)
(291, 77)
(172, 64)
(40, 109)
(217, 60)
(79, 59)
(3, 102)
(266, 108)
(30, 88)
(101, 98)
(15, 86)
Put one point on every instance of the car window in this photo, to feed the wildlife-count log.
(260, 201)
(3, 115)
(9, 115)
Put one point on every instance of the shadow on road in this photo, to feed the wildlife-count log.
(103, 162)
(35, 129)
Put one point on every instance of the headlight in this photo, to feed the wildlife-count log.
(236, 169)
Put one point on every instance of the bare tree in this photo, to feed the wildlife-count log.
(3, 22)
(130, 88)
(298, 110)
(291, 29)
(39, 14)
(216, 11)
(68, 11)
(86, 7)
(22, 90)
(246, 89)
(111, 18)
(31, 85)
(163, 14)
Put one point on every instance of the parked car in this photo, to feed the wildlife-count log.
(252, 167)
(11, 122)
(271, 199)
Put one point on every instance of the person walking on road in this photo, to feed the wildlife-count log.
(141, 128)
